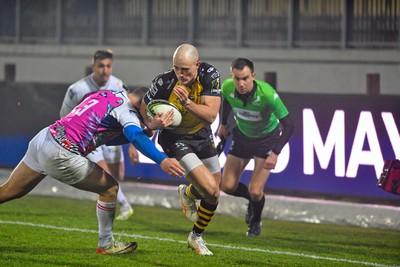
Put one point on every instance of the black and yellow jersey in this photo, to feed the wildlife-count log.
(207, 83)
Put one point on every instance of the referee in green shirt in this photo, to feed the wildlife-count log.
(263, 127)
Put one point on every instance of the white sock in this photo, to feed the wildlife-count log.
(121, 198)
(105, 216)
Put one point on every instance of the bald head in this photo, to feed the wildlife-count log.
(186, 63)
(185, 54)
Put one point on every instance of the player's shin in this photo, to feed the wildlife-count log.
(105, 216)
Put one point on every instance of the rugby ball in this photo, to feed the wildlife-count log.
(163, 106)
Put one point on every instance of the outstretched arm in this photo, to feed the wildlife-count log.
(139, 139)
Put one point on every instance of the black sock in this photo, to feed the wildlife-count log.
(258, 207)
(241, 191)
(194, 192)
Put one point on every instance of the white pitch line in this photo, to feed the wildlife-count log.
(294, 254)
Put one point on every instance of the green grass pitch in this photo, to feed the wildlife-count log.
(45, 231)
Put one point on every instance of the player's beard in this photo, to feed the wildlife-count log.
(104, 79)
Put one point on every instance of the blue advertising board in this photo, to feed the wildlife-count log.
(338, 146)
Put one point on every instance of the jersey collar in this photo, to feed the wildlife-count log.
(247, 97)
(104, 87)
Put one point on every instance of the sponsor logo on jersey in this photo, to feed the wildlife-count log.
(215, 85)
(248, 115)
(180, 146)
(257, 101)
(216, 91)
(215, 75)
(152, 90)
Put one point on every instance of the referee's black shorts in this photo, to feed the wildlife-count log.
(246, 147)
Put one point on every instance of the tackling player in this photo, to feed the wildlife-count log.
(60, 151)
(110, 158)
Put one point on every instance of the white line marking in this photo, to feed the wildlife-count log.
(294, 254)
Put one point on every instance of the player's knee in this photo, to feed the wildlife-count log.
(135, 160)
(256, 195)
(211, 195)
(228, 188)
(112, 191)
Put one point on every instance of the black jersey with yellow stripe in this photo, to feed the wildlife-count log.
(207, 83)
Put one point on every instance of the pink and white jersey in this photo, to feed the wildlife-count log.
(84, 87)
(99, 119)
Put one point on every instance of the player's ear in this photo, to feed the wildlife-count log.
(139, 101)
(136, 102)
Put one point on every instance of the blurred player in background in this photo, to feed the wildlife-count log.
(60, 151)
(193, 87)
(110, 158)
(263, 127)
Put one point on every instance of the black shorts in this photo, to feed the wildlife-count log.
(246, 147)
(177, 145)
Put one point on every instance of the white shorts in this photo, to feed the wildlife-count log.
(191, 161)
(46, 156)
(110, 154)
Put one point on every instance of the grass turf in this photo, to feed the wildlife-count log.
(45, 231)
